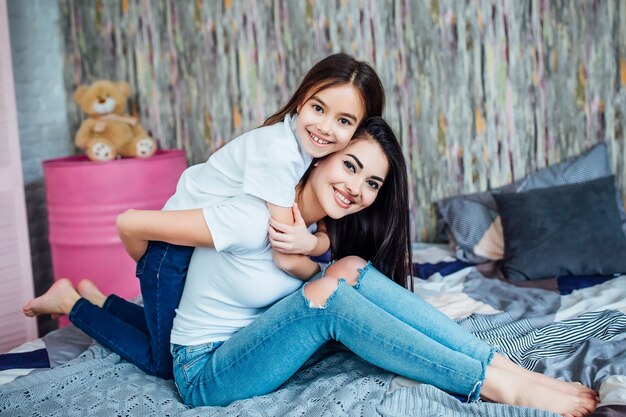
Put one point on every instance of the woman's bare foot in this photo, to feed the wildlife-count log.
(508, 387)
(58, 300)
(88, 290)
(573, 388)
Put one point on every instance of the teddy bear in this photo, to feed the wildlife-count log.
(108, 131)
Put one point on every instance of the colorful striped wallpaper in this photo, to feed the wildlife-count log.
(479, 92)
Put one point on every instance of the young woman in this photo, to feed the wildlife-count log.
(365, 200)
(217, 360)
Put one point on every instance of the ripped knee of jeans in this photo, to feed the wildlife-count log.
(319, 294)
(348, 268)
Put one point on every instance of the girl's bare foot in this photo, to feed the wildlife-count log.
(58, 300)
(508, 387)
(573, 388)
(88, 290)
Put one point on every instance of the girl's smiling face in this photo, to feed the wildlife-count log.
(328, 119)
(348, 181)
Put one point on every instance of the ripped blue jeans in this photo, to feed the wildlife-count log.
(377, 319)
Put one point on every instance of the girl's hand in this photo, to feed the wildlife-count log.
(294, 239)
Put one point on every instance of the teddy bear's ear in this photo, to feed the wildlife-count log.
(80, 91)
(124, 87)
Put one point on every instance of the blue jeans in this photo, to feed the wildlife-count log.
(141, 335)
(377, 319)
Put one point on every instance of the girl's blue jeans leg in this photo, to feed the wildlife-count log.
(131, 313)
(419, 314)
(262, 356)
(141, 335)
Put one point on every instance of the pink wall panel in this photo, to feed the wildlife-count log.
(16, 283)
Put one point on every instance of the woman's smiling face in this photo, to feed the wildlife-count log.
(348, 181)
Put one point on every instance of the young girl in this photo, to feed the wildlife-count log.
(373, 316)
(321, 117)
(263, 165)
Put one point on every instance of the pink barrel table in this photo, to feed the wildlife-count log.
(84, 197)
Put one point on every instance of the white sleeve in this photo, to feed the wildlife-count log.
(272, 169)
(238, 224)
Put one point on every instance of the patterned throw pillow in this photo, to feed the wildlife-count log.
(472, 221)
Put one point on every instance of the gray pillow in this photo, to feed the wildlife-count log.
(562, 231)
(472, 220)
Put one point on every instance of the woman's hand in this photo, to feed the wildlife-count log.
(294, 239)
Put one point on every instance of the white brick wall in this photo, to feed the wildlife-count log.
(36, 47)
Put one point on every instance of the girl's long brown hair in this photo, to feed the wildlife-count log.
(337, 69)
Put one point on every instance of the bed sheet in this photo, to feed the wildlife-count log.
(54, 349)
(571, 335)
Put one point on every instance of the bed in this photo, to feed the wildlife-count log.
(571, 326)
(574, 334)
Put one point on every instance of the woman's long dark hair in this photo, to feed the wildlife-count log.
(380, 233)
(334, 70)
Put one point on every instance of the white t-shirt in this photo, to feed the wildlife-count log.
(227, 290)
(266, 162)
(229, 286)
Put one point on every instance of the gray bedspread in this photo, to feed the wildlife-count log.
(338, 383)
